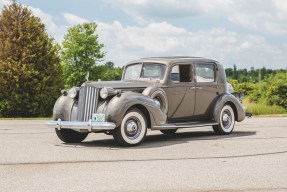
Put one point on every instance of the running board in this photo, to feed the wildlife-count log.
(183, 125)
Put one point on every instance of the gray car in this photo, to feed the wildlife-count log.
(158, 93)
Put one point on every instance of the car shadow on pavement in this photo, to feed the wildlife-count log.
(161, 140)
(184, 137)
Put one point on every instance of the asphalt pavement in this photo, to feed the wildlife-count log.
(252, 158)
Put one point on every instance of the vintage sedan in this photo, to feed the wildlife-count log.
(157, 93)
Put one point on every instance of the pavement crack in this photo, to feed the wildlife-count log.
(143, 160)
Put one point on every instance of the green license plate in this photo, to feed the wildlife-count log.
(98, 117)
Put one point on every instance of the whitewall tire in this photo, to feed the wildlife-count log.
(226, 121)
(132, 130)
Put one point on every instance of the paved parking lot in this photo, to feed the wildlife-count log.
(253, 158)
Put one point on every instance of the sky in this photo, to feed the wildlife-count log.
(248, 33)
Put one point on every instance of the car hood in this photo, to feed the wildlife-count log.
(129, 85)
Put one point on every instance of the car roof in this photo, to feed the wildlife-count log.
(173, 59)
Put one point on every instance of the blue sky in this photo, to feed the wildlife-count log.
(248, 33)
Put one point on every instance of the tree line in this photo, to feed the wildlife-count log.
(262, 85)
(253, 75)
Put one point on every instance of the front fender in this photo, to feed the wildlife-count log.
(226, 98)
(117, 107)
(62, 108)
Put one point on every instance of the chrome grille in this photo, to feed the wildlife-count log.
(88, 103)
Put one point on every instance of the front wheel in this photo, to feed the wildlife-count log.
(226, 121)
(71, 136)
(132, 130)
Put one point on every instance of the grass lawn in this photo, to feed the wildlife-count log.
(261, 109)
(27, 118)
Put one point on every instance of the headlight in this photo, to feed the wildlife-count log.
(107, 92)
(73, 92)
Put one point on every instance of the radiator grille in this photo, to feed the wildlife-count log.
(88, 103)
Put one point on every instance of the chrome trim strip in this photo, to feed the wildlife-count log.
(182, 125)
(79, 125)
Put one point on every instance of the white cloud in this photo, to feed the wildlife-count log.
(264, 16)
(52, 28)
(163, 39)
(57, 31)
(4, 2)
(125, 43)
(74, 19)
(269, 16)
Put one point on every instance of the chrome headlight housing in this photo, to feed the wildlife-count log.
(73, 92)
(107, 92)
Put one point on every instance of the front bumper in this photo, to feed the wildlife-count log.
(80, 126)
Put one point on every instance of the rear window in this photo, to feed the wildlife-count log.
(204, 73)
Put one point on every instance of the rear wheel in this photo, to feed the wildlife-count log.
(71, 136)
(168, 131)
(226, 121)
(132, 130)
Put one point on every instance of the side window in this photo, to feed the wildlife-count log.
(181, 73)
(153, 71)
(175, 74)
(204, 73)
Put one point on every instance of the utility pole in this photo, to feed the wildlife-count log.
(259, 75)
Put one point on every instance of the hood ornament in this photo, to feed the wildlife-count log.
(87, 76)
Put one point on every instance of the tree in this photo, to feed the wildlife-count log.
(276, 92)
(110, 72)
(29, 64)
(235, 74)
(81, 52)
(229, 72)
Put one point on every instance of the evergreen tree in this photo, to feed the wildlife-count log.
(29, 64)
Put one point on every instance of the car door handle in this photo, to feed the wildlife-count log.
(195, 88)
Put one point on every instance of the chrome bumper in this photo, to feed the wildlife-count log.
(89, 126)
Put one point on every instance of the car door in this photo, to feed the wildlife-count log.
(206, 89)
(181, 93)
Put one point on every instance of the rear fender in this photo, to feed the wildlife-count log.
(227, 98)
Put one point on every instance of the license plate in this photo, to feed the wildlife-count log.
(98, 117)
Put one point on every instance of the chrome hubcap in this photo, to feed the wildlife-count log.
(226, 119)
(132, 128)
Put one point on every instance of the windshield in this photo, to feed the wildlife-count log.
(146, 70)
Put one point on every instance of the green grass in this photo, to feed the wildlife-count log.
(263, 109)
(26, 118)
